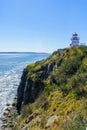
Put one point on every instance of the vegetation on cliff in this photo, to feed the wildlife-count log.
(53, 92)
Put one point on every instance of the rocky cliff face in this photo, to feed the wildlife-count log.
(32, 82)
(55, 87)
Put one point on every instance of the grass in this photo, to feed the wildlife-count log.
(63, 93)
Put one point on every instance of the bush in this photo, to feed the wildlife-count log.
(71, 66)
(26, 110)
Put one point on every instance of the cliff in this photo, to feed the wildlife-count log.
(53, 92)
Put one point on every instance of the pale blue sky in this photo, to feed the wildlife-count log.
(41, 25)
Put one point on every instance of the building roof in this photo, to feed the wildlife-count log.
(75, 34)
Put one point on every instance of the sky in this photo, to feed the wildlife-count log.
(41, 25)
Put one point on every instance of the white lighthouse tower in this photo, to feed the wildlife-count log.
(75, 40)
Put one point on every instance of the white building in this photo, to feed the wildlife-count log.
(75, 40)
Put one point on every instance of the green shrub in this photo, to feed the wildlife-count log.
(71, 66)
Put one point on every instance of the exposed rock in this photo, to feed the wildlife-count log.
(11, 125)
(8, 118)
(20, 91)
(5, 113)
(51, 120)
(4, 125)
(4, 120)
(8, 104)
(9, 115)
(14, 104)
(26, 127)
(8, 109)
(50, 67)
(27, 90)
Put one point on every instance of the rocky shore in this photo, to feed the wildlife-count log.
(8, 116)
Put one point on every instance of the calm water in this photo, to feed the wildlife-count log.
(11, 67)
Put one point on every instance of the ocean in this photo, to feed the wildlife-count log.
(11, 67)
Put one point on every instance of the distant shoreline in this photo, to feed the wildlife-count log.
(27, 52)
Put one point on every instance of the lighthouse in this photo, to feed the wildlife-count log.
(75, 40)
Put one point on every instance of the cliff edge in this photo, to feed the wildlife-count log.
(53, 92)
